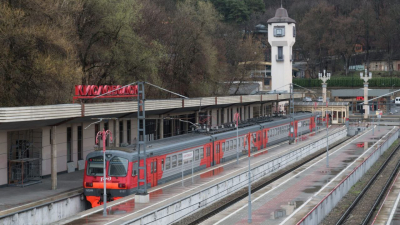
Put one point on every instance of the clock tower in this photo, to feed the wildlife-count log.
(281, 37)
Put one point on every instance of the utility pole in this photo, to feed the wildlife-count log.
(103, 134)
(237, 117)
(291, 113)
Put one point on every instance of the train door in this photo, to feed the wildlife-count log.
(259, 140)
(153, 172)
(265, 138)
(207, 151)
(217, 153)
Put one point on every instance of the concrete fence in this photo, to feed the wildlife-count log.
(47, 213)
(318, 213)
(182, 208)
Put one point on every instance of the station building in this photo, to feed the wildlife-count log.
(33, 138)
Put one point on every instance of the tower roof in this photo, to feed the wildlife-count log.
(281, 16)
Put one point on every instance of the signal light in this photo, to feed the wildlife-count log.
(89, 184)
(121, 185)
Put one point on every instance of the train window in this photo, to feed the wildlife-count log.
(155, 166)
(162, 164)
(227, 146)
(223, 146)
(134, 169)
(179, 159)
(173, 161)
(95, 166)
(151, 167)
(231, 144)
(234, 143)
(201, 153)
(118, 167)
(208, 151)
(167, 163)
(196, 154)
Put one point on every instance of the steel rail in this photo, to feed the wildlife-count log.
(365, 189)
(381, 194)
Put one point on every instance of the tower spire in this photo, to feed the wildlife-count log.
(281, 4)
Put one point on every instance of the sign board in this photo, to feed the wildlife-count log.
(94, 91)
(186, 156)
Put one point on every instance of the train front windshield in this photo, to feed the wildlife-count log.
(118, 167)
(95, 166)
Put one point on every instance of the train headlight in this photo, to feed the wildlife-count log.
(89, 184)
(121, 185)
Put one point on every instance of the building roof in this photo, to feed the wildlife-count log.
(244, 89)
(13, 118)
(281, 16)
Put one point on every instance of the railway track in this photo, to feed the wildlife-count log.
(261, 184)
(364, 205)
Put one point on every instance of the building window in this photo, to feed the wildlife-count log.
(121, 131)
(128, 131)
(80, 144)
(69, 144)
(279, 57)
(179, 159)
(279, 31)
(294, 31)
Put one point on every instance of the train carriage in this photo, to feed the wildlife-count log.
(164, 157)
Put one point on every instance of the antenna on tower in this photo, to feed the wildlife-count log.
(281, 4)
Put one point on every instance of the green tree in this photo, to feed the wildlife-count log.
(37, 54)
(109, 49)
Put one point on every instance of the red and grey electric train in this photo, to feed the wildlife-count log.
(164, 160)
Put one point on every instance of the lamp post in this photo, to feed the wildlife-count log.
(103, 134)
(324, 77)
(366, 78)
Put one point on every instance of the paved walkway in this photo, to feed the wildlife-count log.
(18, 197)
(288, 199)
(125, 209)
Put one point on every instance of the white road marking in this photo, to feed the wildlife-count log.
(244, 206)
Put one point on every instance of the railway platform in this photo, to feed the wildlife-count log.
(124, 210)
(289, 199)
(17, 199)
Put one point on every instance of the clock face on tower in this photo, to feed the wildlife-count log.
(279, 31)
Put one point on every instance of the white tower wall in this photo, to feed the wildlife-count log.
(281, 71)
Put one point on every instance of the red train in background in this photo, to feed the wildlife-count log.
(164, 158)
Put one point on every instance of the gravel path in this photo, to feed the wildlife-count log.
(364, 205)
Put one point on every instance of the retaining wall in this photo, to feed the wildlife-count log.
(47, 213)
(318, 213)
(177, 210)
